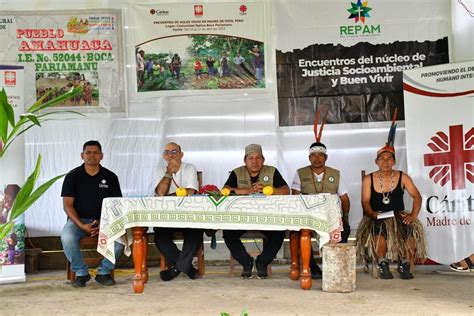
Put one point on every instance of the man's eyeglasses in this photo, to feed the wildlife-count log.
(171, 152)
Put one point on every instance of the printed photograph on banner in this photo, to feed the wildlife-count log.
(206, 62)
(55, 84)
(188, 47)
(61, 49)
(13, 245)
(351, 62)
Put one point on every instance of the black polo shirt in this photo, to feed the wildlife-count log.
(89, 191)
(278, 180)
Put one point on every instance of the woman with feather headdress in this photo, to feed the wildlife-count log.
(387, 231)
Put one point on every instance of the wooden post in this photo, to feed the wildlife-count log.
(295, 253)
(339, 267)
(305, 252)
(145, 255)
(138, 257)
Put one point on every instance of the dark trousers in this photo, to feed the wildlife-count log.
(344, 237)
(274, 240)
(181, 259)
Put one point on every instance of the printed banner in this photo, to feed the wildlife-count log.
(441, 155)
(12, 247)
(61, 50)
(189, 47)
(353, 56)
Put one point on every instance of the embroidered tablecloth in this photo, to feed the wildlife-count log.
(321, 213)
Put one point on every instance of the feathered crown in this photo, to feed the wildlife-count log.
(388, 147)
(318, 146)
(317, 135)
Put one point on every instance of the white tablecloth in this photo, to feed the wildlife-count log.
(321, 213)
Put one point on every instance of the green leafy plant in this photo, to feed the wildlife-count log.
(9, 131)
(160, 83)
(213, 83)
(243, 313)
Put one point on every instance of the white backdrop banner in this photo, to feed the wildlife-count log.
(214, 128)
(439, 105)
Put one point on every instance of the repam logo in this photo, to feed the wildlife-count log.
(452, 159)
(359, 13)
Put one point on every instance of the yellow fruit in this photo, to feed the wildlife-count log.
(268, 190)
(225, 191)
(181, 192)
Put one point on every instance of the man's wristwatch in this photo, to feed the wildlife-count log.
(168, 175)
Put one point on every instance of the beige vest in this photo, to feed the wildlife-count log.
(265, 176)
(330, 182)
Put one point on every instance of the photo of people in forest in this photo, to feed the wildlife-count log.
(55, 84)
(204, 62)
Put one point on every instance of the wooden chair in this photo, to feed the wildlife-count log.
(88, 246)
(249, 235)
(178, 236)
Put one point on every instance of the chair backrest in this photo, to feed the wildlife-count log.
(362, 175)
(199, 175)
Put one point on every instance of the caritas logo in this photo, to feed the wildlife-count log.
(198, 10)
(10, 78)
(243, 9)
(452, 157)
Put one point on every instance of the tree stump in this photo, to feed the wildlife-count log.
(339, 267)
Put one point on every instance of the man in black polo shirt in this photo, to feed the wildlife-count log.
(250, 179)
(83, 190)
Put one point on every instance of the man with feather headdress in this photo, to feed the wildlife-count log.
(318, 178)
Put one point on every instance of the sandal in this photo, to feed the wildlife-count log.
(458, 268)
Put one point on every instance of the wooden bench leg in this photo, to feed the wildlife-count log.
(231, 266)
(162, 262)
(295, 253)
(145, 255)
(201, 263)
(69, 274)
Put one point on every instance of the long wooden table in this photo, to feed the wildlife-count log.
(126, 220)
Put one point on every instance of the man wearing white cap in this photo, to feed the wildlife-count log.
(250, 179)
(318, 178)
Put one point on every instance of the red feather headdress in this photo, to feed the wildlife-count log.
(317, 134)
(318, 147)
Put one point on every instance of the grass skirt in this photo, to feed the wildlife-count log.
(397, 236)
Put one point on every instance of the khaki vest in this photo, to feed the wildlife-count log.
(330, 180)
(243, 177)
